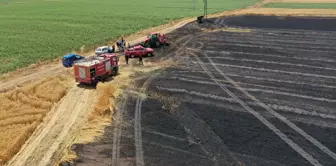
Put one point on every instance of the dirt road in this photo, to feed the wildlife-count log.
(66, 118)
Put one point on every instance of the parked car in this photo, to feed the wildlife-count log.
(137, 51)
(69, 59)
(102, 50)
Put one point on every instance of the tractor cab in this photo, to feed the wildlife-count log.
(152, 36)
(69, 59)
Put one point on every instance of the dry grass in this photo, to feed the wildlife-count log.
(108, 92)
(171, 103)
(21, 110)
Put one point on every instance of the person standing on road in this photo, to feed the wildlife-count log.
(140, 60)
(126, 58)
(110, 50)
(113, 48)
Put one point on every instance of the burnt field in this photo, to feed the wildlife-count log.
(250, 91)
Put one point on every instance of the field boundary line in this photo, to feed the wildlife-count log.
(278, 132)
(280, 117)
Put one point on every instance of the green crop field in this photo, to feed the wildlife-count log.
(302, 5)
(34, 30)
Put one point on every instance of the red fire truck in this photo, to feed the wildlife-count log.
(95, 68)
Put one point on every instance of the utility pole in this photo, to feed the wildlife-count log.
(205, 8)
(194, 4)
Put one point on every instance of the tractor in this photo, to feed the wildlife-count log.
(155, 40)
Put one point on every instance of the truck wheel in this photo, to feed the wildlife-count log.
(149, 54)
(114, 71)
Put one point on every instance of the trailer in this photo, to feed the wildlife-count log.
(93, 69)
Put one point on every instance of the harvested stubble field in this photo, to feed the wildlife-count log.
(22, 110)
(36, 30)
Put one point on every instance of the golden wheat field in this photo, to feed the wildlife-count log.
(21, 110)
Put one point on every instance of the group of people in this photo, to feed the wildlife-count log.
(122, 45)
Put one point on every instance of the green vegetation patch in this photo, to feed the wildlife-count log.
(34, 30)
(302, 5)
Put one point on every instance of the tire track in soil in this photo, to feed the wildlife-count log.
(276, 105)
(137, 125)
(284, 137)
(43, 147)
(259, 88)
(289, 123)
(200, 133)
(119, 118)
(117, 132)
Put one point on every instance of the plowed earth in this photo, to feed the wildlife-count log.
(262, 96)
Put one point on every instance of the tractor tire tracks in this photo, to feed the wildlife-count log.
(282, 118)
(137, 123)
(117, 132)
(284, 137)
(137, 120)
